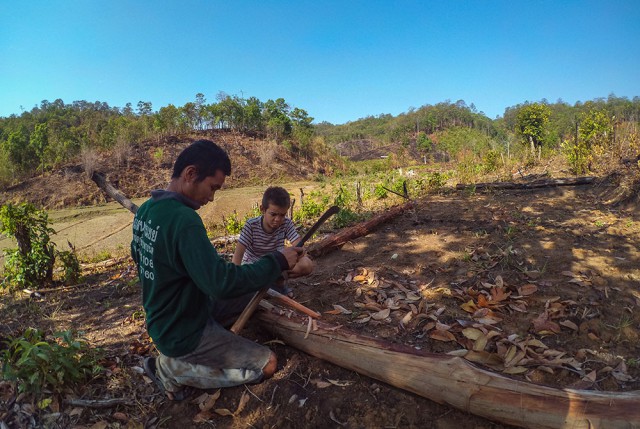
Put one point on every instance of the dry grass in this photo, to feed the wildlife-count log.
(89, 158)
(266, 151)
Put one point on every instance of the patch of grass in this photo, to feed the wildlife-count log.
(481, 233)
(102, 255)
(510, 232)
(633, 362)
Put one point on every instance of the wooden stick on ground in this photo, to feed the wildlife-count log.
(543, 183)
(335, 241)
(293, 304)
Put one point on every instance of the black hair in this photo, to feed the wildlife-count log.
(277, 196)
(206, 156)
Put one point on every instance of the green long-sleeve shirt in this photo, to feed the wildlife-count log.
(180, 269)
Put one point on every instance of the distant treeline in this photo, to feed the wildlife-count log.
(54, 132)
(431, 119)
(457, 130)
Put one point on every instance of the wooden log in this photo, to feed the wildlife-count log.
(546, 183)
(113, 192)
(336, 240)
(455, 381)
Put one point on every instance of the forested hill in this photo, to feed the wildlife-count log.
(431, 123)
(276, 139)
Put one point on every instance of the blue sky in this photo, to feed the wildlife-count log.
(339, 60)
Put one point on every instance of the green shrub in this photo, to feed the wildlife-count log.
(423, 142)
(158, 155)
(232, 223)
(38, 363)
(345, 217)
(436, 180)
(31, 264)
(491, 161)
(468, 171)
(380, 192)
(70, 266)
(309, 209)
(578, 155)
(343, 197)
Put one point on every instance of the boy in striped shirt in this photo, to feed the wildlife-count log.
(267, 233)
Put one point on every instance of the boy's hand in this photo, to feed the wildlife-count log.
(292, 254)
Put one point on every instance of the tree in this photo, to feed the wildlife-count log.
(253, 114)
(596, 128)
(18, 150)
(200, 110)
(302, 128)
(39, 141)
(531, 124)
(278, 122)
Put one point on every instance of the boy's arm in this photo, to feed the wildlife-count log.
(238, 254)
(291, 233)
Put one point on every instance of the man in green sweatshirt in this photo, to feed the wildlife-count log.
(189, 293)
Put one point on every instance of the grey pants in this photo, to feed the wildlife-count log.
(222, 359)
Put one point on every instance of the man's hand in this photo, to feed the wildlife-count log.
(292, 254)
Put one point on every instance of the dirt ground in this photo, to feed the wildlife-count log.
(552, 265)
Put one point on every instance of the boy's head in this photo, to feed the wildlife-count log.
(206, 156)
(274, 207)
(276, 196)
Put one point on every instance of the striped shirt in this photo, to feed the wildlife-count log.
(259, 243)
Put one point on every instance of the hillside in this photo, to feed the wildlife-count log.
(147, 165)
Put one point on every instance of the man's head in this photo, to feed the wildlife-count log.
(206, 157)
(199, 171)
(274, 207)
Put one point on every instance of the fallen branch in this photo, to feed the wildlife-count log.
(114, 193)
(334, 241)
(104, 264)
(545, 183)
(454, 381)
(53, 289)
(98, 403)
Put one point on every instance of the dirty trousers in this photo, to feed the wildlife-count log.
(222, 359)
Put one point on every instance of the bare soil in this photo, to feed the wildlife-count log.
(553, 265)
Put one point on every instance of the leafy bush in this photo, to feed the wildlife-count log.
(232, 223)
(31, 264)
(343, 197)
(436, 180)
(37, 363)
(70, 266)
(380, 192)
(468, 171)
(345, 217)
(578, 156)
(309, 209)
(491, 161)
(423, 142)
(158, 155)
